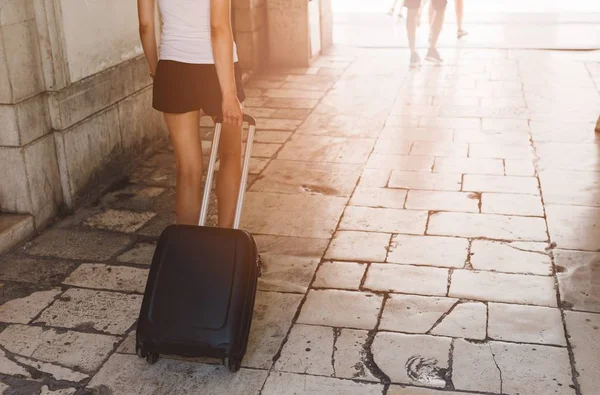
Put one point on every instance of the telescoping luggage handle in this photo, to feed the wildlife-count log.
(245, 169)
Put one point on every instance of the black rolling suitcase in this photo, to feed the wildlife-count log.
(200, 292)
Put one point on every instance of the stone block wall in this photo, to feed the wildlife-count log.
(75, 97)
(251, 32)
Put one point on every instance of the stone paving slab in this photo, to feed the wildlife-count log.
(108, 312)
(127, 374)
(83, 245)
(297, 384)
(76, 350)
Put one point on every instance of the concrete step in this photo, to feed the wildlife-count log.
(14, 229)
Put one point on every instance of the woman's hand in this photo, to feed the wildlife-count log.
(233, 113)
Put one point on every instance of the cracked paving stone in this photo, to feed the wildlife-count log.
(400, 162)
(579, 279)
(299, 384)
(264, 150)
(157, 225)
(398, 390)
(140, 254)
(292, 177)
(501, 184)
(474, 368)
(273, 315)
(502, 287)
(288, 263)
(467, 320)
(34, 270)
(59, 373)
(340, 125)
(84, 309)
(487, 225)
(425, 181)
(133, 197)
(23, 310)
(119, 220)
(413, 359)
(584, 331)
(378, 197)
(114, 278)
(340, 275)
(128, 345)
(428, 251)
(257, 165)
(14, 290)
(469, 166)
(83, 245)
(308, 350)
(330, 308)
(377, 178)
(63, 391)
(526, 324)
(574, 227)
(384, 220)
(512, 204)
(285, 215)
(443, 201)
(534, 370)
(529, 258)
(358, 246)
(412, 313)
(81, 351)
(127, 374)
(327, 149)
(271, 136)
(350, 355)
(11, 368)
(407, 279)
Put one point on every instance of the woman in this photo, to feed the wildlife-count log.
(196, 69)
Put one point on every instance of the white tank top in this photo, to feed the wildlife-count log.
(186, 32)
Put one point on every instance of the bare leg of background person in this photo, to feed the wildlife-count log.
(460, 9)
(436, 26)
(230, 173)
(185, 135)
(412, 16)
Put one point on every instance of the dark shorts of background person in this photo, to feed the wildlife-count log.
(437, 4)
(184, 87)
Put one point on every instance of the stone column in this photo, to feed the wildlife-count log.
(291, 41)
(250, 31)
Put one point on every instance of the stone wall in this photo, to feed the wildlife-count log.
(251, 32)
(74, 97)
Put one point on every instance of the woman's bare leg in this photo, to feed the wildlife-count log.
(185, 135)
(230, 173)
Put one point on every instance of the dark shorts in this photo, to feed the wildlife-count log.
(437, 4)
(184, 87)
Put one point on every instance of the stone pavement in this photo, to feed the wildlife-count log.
(424, 232)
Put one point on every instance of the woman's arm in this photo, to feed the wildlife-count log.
(222, 44)
(146, 15)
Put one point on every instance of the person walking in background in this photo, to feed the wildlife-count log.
(412, 20)
(459, 7)
(196, 69)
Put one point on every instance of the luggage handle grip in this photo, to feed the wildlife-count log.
(247, 118)
(211, 169)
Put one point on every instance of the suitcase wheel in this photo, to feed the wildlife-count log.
(141, 353)
(152, 358)
(233, 364)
